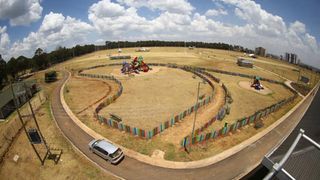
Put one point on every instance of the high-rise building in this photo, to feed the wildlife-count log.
(291, 58)
(260, 51)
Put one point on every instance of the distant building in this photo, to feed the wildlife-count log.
(291, 58)
(7, 105)
(260, 51)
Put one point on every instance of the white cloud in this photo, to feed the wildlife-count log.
(177, 20)
(297, 27)
(20, 12)
(216, 12)
(4, 42)
(312, 42)
(272, 32)
(55, 30)
(172, 6)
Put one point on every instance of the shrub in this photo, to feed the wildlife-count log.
(50, 76)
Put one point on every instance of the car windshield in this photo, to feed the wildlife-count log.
(96, 142)
(116, 154)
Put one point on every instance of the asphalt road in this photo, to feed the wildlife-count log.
(129, 168)
(304, 153)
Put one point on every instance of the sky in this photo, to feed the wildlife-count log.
(278, 25)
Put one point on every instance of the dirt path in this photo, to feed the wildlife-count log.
(176, 133)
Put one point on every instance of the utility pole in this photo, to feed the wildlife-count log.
(23, 124)
(195, 112)
(34, 117)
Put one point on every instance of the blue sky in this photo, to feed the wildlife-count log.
(279, 26)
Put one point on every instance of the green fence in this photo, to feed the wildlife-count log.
(148, 134)
(203, 137)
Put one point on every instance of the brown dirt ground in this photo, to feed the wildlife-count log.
(151, 99)
(85, 93)
(219, 59)
(246, 102)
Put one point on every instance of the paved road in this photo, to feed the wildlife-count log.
(311, 124)
(129, 168)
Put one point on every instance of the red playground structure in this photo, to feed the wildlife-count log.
(135, 66)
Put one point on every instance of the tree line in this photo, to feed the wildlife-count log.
(15, 67)
(153, 43)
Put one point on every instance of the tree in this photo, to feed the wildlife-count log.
(40, 59)
(3, 71)
(12, 67)
(38, 52)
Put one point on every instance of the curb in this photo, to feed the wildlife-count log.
(76, 148)
(178, 165)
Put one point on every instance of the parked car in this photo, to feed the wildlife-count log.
(106, 150)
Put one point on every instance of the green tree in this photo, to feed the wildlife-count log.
(3, 71)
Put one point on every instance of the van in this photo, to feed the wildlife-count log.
(106, 150)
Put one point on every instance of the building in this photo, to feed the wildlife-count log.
(260, 51)
(244, 63)
(291, 58)
(7, 105)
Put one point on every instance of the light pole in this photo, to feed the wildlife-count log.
(195, 111)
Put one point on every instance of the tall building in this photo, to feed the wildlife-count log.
(291, 58)
(260, 51)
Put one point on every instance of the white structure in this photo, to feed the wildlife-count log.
(142, 49)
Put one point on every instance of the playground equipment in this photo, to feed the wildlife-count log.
(142, 49)
(256, 83)
(135, 66)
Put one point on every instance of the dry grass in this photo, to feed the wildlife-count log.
(72, 164)
(149, 100)
(218, 59)
(213, 147)
(199, 57)
(246, 102)
(82, 93)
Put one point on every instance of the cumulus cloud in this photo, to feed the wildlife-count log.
(54, 31)
(216, 12)
(171, 6)
(271, 31)
(20, 12)
(177, 20)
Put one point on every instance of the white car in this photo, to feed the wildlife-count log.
(106, 150)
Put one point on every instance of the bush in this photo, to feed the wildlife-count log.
(228, 109)
(258, 124)
(50, 76)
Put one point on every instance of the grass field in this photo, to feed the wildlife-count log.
(245, 102)
(154, 98)
(72, 165)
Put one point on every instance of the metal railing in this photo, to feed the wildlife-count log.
(276, 169)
